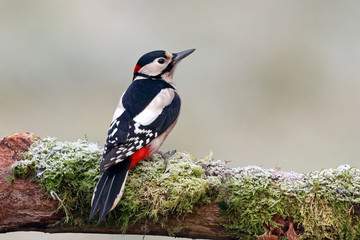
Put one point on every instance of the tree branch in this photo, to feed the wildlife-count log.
(25, 207)
(239, 203)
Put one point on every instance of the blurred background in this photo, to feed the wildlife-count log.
(272, 83)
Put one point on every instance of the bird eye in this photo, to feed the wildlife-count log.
(161, 61)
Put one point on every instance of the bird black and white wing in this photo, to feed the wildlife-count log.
(145, 111)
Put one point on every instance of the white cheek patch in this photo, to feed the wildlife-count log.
(153, 68)
(155, 107)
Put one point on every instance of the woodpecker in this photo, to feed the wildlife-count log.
(147, 112)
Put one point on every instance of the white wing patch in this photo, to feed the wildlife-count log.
(119, 110)
(113, 132)
(147, 132)
(155, 107)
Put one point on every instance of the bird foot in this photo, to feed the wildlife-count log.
(166, 156)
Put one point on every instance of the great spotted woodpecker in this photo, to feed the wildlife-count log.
(147, 112)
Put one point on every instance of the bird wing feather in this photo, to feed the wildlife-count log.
(140, 122)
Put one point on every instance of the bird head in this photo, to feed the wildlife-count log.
(159, 64)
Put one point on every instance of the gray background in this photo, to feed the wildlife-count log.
(272, 83)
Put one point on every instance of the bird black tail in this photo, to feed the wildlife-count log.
(109, 189)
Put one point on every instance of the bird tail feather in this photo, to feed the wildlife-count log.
(109, 189)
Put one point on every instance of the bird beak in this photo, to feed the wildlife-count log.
(180, 55)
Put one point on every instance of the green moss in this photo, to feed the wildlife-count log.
(322, 205)
(68, 171)
(23, 169)
(326, 205)
(250, 202)
(155, 194)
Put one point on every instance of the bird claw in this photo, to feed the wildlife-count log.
(166, 156)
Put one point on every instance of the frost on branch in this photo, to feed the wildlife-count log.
(247, 202)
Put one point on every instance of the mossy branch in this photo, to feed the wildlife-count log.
(46, 185)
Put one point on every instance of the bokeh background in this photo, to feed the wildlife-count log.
(272, 83)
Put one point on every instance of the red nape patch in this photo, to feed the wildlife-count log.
(137, 68)
(139, 155)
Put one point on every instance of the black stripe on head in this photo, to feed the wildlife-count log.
(170, 66)
(150, 56)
